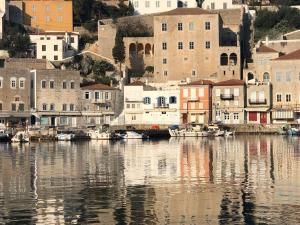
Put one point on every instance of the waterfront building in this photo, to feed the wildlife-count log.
(100, 104)
(147, 105)
(44, 15)
(196, 102)
(228, 102)
(55, 46)
(158, 6)
(14, 96)
(286, 85)
(222, 4)
(55, 97)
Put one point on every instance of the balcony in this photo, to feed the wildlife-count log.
(161, 106)
(227, 96)
(193, 99)
(257, 101)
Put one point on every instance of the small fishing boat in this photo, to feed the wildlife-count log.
(21, 137)
(4, 136)
(187, 133)
(100, 135)
(65, 137)
(215, 131)
(132, 135)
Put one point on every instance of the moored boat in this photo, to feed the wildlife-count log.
(4, 136)
(21, 137)
(193, 131)
(100, 135)
(132, 135)
(65, 137)
(215, 131)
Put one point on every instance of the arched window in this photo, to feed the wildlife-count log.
(224, 59)
(13, 82)
(233, 59)
(43, 84)
(64, 84)
(148, 50)
(72, 84)
(266, 77)
(250, 76)
(132, 49)
(147, 101)
(140, 49)
(22, 82)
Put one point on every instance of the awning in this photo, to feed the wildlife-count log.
(262, 109)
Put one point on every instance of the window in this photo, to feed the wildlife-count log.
(59, 19)
(133, 106)
(207, 25)
(157, 4)
(51, 84)
(165, 73)
(180, 45)
(147, 101)
(164, 27)
(164, 45)
(1, 82)
(13, 107)
(13, 82)
(191, 26)
(59, 8)
(21, 107)
(43, 48)
(72, 85)
(72, 40)
(52, 107)
(165, 61)
(226, 116)
(193, 73)
(55, 57)
(236, 116)
(47, 8)
(128, 106)
(288, 97)
(64, 85)
(33, 8)
(22, 83)
(161, 101)
(147, 4)
(173, 100)
(136, 4)
(179, 26)
(106, 95)
(43, 84)
(0, 106)
(212, 6)
(44, 57)
(55, 47)
(207, 44)
(17, 99)
(278, 98)
(64, 107)
(133, 117)
(97, 95)
(169, 4)
(191, 45)
(44, 107)
(47, 18)
(236, 92)
(266, 77)
(72, 107)
(278, 76)
(87, 95)
(224, 5)
(288, 76)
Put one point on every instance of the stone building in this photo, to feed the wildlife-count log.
(56, 95)
(100, 104)
(228, 102)
(15, 96)
(21, 63)
(196, 102)
(222, 4)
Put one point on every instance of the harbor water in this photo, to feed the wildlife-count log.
(234, 180)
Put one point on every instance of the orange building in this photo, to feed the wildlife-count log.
(49, 15)
(196, 102)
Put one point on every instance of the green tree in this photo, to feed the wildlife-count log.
(82, 10)
(118, 51)
(101, 67)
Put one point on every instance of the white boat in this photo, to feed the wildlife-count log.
(4, 135)
(99, 135)
(228, 133)
(65, 137)
(21, 137)
(132, 135)
(215, 131)
(187, 133)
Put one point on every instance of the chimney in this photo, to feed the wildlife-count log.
(267, 40)
(111, 83)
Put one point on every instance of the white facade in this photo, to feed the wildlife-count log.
(148, 106)
(156, 6)
(221, 4)
(55, 46)
(3, 15)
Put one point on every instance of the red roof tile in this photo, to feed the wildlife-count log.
(97, 87)
(265, 49)
(137, 83)
(201, 82)
(290, 56)
(232, 82)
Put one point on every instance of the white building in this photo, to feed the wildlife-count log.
(221, 4)
(147, 105)
(3, 15)
(55, 46)
(149, 6)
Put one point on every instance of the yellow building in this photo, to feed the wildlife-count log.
(49, 15)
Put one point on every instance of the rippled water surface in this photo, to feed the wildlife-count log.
(241, 180)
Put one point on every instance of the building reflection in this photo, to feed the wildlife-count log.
(233, 180)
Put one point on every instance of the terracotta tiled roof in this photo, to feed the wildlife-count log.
(290, 56)
(232, 82)
(137, 83)
(97, 87)
(186, 11)
(201, 82)
(265, 49)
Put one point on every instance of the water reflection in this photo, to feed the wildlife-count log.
(241, 180)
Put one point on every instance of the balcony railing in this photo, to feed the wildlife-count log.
(193, 99)
(257, 101)
(161, 106)
(227, 96)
